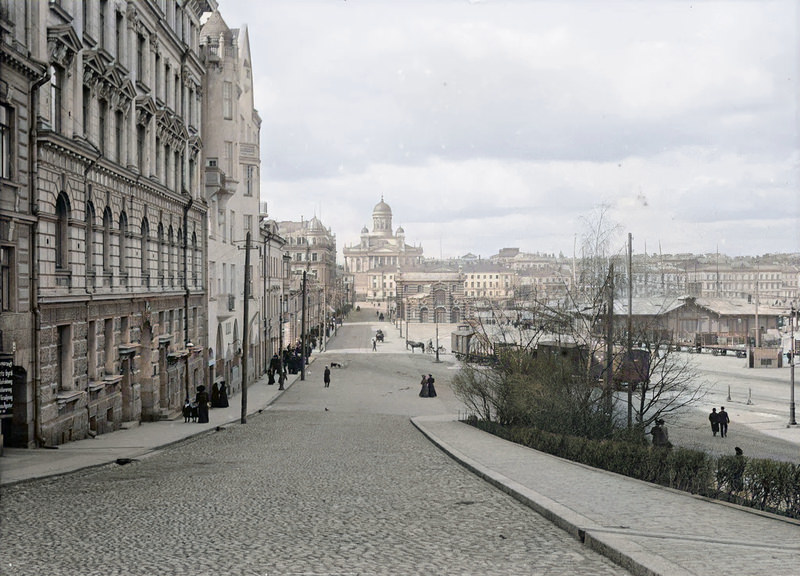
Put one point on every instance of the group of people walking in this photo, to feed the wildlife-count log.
(428, 389)
(719, 421)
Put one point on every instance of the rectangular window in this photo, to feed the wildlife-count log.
(120, 36)
(229, 159)
(108, 345)
(87, 115)
(56, 95)
(101, 124)
(6, 265)
(158, 75)
(140, 51)
(141, 134)
(119, 126)
(249, 180)
(248, 224)
(6, 150)
(101, 23)
(64, 357)
(92, 349)
(233, 226)
(227, 100)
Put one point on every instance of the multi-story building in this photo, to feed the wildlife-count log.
(103, 217)
(378, 256)
(311, 248)
(232, 128)
(432, 294)
(488, 281)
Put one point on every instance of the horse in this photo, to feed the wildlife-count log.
(420, 345)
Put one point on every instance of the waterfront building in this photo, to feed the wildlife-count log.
(102, 216)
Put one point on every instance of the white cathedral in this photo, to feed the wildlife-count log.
(379, 256)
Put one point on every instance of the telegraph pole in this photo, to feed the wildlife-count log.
(246, 325)
(792, 420)
(609, 380)
(303, 333)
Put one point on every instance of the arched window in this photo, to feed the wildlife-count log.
(62, 231)
(108, 220)
(144, 252)
(162, 254)
(123, 244)
(89, 244)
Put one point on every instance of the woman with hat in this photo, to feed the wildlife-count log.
(201, 399)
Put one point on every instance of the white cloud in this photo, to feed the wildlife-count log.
(500, 123)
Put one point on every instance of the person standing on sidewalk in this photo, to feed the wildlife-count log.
(423, 392)
(374, 344)
(714, 419)
(723, 422)
(431, 387)
(327, 377)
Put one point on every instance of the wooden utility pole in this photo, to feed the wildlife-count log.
(245, 324)
(609, 380)
(303, 333)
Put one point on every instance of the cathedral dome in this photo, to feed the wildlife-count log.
(382, 209)
(400, 231)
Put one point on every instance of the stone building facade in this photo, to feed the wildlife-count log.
(232, 166)
(311, 248)
(105, 182)
(432, 295)
(378, 256)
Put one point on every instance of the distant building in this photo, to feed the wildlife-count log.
(312, 249)
(434, 294)
(378, 256)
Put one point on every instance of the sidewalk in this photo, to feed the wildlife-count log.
(18, 464)
(646, 528)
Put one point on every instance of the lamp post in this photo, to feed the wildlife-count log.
(284, 279)
(792, 420)
(436, 321)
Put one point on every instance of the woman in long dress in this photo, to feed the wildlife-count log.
(423, 393)
(431, 389)
(202, 404)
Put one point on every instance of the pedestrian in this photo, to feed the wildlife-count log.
(215, 395)
(431, 388)
(423, 393)
(201, 399)
(374, 344)
(723, 422)
(327, 377)
(714, 419)
(660, 435)
(223, 395)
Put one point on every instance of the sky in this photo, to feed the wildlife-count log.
(487, 124)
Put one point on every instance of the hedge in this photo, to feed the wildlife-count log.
(758, 483)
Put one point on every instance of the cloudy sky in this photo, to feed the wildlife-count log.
(508, 123)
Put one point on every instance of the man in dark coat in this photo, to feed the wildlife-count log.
(714, 419)
(327, 377)
(722, 416)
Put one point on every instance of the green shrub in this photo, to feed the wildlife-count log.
(763, 484)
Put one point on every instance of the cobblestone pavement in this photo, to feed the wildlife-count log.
(328, 481)
(289, 493)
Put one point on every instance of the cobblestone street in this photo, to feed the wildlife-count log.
(289, 493)
(327, 481)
